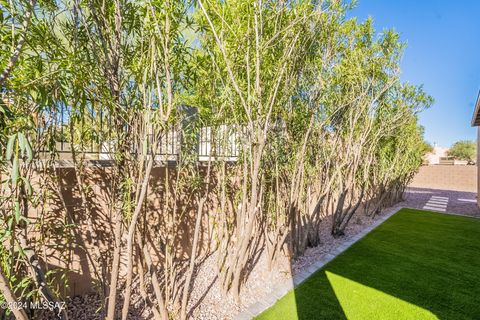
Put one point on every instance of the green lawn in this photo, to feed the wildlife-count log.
(416, 265)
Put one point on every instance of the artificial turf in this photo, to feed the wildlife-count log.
(416, 265)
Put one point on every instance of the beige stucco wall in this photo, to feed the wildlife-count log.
(447, 177)
(72, 252)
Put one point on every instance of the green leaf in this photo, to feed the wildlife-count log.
(24, 145)
(28, 185)
(28, 149)
(15, 172)
(21, 141)
(9, 152)
(10, 224)
(18, 215)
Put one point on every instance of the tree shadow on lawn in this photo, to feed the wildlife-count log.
(416, 265)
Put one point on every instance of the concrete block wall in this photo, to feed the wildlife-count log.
(447, 177)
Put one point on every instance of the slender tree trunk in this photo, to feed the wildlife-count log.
(10, 298)
(193, 256)
(112, 296)
(130, 237)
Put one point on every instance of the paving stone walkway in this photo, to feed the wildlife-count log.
(448, 201)
(436, 203)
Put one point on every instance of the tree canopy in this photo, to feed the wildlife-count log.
(464, 150)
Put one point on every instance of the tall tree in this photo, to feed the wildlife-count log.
(464, 150)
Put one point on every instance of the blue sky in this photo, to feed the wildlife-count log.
(443, 54)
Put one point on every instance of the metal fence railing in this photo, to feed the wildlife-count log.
(207, 143)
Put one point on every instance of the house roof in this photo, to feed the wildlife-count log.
(476, 113)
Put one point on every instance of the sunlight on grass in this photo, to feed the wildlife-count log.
(361, 302)
(416, 265)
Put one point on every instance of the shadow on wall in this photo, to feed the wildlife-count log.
(73, 257)
(73, 240)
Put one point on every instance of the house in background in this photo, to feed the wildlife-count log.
(439, 156)
(435, 156)
(476, 123)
